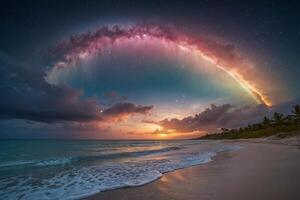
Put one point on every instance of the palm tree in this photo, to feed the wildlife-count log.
(296, 112)
(266, 121)
(250, 127)
(224, 130)
(278, 118)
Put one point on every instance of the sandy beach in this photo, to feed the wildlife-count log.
(260, 170)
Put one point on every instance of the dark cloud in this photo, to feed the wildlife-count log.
(215, 117)
(121, 110)
(26, 95)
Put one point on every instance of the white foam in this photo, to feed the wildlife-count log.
(80, 182)
(51, 162)
(16, 163)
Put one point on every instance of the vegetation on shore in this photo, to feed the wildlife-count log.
(279, 125)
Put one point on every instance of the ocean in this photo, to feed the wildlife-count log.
(73, 169)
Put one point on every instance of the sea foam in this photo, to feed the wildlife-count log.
(80, 181)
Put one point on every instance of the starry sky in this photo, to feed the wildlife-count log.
(145, 69)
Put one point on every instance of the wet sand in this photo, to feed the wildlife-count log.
(258, 171)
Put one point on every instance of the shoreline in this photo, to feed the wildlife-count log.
(217, 158)
(268, 162)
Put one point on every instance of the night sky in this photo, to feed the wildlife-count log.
(145, 70)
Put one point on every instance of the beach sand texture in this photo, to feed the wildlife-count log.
(258, 171)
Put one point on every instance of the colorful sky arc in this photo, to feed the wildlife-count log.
(114, 72)
(221, 55)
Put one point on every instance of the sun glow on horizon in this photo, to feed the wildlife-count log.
(228, 70)
(162, 135)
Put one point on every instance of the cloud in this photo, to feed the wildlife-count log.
(121, 110)
(215, 117)
(26, 95)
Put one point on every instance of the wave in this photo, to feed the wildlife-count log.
(149, 152)
(79, 183)
(82, 181)
(83, 159)
(119, 155)
(15, 163)
(53, 162)
(37, 163)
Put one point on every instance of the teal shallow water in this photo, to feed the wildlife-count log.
(70, 169)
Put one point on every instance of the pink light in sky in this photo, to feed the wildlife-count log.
(221, 55)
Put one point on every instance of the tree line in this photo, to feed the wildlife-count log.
(267, 127)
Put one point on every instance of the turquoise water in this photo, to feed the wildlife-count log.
(71, 169)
